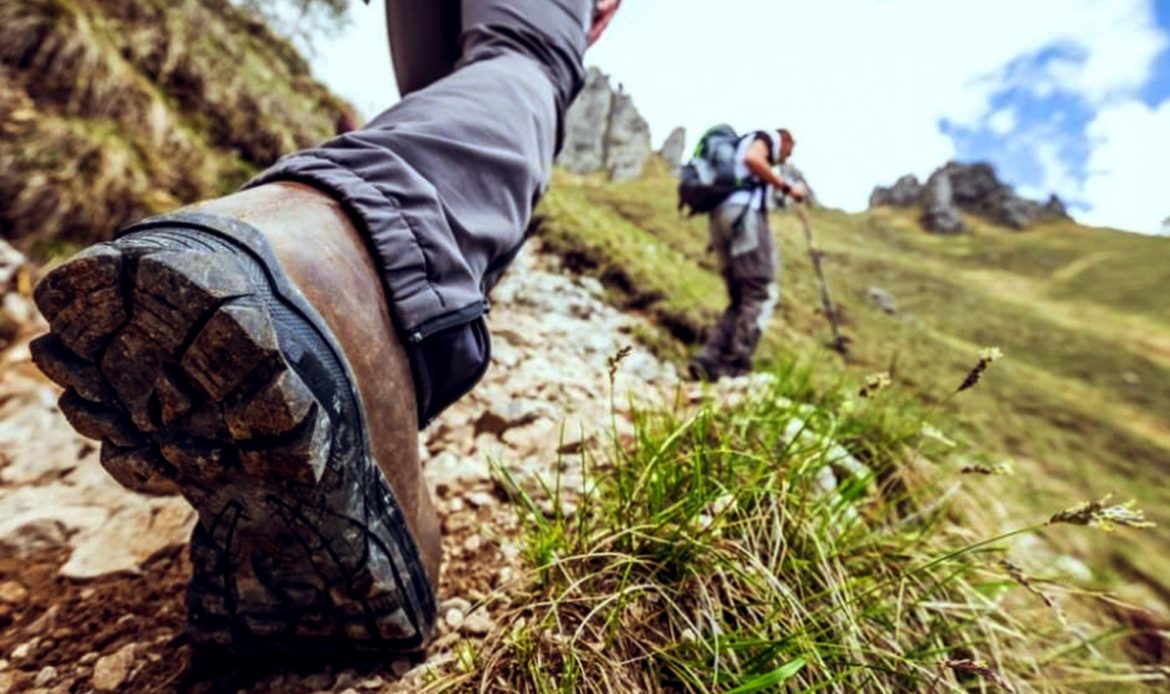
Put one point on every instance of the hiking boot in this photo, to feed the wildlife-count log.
(700, 368)
(253, 367)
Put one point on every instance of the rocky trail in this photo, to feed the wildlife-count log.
(92, 577)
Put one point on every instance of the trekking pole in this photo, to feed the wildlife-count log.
(839, 342)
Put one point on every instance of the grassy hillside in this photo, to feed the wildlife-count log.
(114, 109)
(1080, 405)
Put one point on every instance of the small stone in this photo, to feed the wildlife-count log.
(401, 667)
(374, 682)
(481, 499)
(89, 658)
(456, 603)
(453, 618)
(458, 521)
(478, 623)
(345, 679)
(111, 671)
(12, 592)
(7, 682)
(505, 576)
(24, 650)
(45, 622)
(472, 544)
(349, 690)
(45, 676)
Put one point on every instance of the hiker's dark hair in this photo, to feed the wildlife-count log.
(786, 134)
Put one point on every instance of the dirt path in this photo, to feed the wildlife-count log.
(92, 577)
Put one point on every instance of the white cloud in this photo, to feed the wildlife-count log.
(1057, 177)
(1126, 186)
(1002, 121)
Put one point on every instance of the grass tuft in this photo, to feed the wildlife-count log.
(744, 548)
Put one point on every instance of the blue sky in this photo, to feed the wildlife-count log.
(1035, 127)
(1064, 96)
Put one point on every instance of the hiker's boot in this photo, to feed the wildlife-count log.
(241, 352)
(702, 368)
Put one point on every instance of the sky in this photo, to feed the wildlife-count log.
(1063, 96)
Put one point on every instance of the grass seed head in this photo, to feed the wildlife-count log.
(874, 383)
(987, 357)
(1099, 514)
(979, 668)
(616, 360)
(999, 469)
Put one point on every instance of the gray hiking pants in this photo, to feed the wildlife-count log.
(748, 261)
(443, 184)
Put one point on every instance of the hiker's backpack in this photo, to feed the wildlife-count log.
(709, 177)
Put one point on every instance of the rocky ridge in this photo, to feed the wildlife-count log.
(973, 188)
(605, 132)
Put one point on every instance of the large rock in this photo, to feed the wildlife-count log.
(973, 188)
(972, 183)
(904, 193)
(605, 132)
(585, 126)
(627, 143)
(938, 205)
(977, 189)
(674, 147)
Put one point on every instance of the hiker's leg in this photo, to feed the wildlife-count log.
(754, 272)
(253, 365)
(712, 357)
(424, 41)
(444, 183)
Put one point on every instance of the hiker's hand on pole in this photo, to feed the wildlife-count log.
(798, 192)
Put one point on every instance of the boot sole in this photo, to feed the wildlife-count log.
(185, 349)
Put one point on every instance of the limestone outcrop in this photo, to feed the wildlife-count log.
(972, 188)
(605, 132)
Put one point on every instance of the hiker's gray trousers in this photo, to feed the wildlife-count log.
(443, 184)
(748, 261)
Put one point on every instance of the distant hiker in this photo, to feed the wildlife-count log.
(731, 178)
(272, 354)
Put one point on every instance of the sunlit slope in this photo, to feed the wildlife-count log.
(1080, 404)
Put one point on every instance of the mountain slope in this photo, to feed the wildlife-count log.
(114, 109)
(1080, 404)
